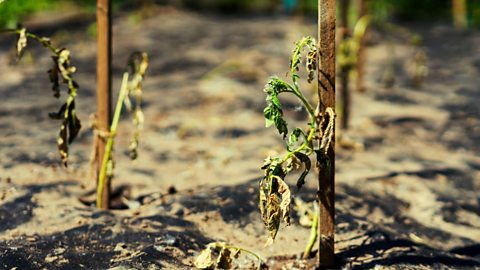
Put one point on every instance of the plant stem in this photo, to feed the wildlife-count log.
(260, 259)
(313, 234)
(42, 40)
(296, 91)
(109, 145)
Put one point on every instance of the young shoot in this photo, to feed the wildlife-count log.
(274, 194)
(131, 88)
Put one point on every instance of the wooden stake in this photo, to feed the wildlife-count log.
(459, 9)
(345, 71)
(326, 92)
(104, 92)
(362, 11)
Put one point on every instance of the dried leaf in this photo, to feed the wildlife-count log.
(21, 42)
(311, 64)
(216, 255)
(307, 166)
(286, 196)
(53, 75)
(273, 215)
(74, 124)
(205, 260)
(60, 114)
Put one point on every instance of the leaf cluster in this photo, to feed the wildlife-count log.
(137, 66)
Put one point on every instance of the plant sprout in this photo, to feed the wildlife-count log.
(132, 88)
(275, 195)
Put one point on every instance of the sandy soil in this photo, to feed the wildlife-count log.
(406, 192)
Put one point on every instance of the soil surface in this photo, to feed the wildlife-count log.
(407, 173)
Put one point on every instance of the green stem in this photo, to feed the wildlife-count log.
(298, 93)
(260, 259)
(313, 234)
(109, 145)
(44, 41)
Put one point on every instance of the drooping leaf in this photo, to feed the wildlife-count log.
(53, 76)
(74, 124)
(274, 116)
(137, 64)
(307, 166)
(293, 138)
(286, 197)
(273, 215)
(60, 114)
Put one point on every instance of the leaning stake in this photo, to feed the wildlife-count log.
(104, 93)
(326, 93)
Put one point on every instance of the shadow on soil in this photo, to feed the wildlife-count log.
(139, 243)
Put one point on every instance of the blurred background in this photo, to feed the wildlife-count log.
(407, 158)
(13, 11)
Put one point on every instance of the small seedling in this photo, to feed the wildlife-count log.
(275, 194)
(130, 95)
(61, 76)
(218, 255)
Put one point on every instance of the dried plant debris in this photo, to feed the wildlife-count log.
(61, 73)
(21, 42)
(218, 255)
(301, 144)
(137, 64)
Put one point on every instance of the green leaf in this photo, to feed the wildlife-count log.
(296, 133)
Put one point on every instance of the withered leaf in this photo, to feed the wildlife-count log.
(216, 255)
(205, 260)
(273, 215)
(74, 124)
(60, 114)
(53, 75)
(21, 42)
(286, 196)
(68, 130)
(307, 166)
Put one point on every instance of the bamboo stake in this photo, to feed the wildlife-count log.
(326, 92)
(104, 92)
